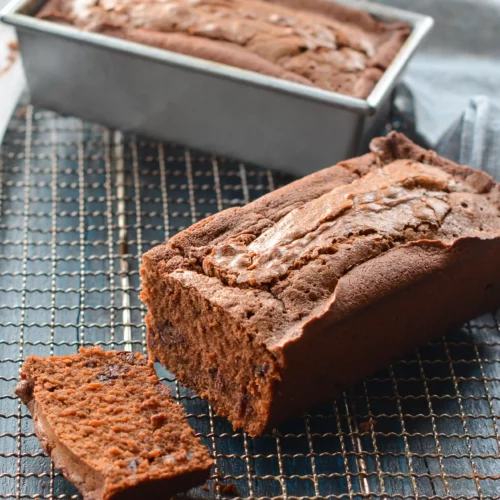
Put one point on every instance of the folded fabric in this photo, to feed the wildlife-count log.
(474, 139)
(459, 60)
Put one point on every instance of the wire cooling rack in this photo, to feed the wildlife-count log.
(79, 204)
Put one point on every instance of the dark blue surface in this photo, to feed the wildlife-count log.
(426, 428)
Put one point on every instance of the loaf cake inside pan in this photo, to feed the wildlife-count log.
(314, 42)
(110, 425)
(267, 309)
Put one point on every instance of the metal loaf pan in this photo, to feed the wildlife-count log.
(202, 104)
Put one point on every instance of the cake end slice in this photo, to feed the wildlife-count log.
(110, 425)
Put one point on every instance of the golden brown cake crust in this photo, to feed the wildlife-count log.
(313, 42)
(111, 426)
(268, 299)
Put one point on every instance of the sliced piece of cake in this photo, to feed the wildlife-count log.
(110, 425)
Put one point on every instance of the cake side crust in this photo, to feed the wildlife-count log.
(381, 311)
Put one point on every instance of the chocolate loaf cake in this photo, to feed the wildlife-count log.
(268, 309)
(110, 425)
(314, 42)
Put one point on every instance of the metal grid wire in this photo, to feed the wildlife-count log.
(79, 204)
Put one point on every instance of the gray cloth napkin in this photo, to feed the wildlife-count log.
(459, 60)
(449, 99)
(475, 139)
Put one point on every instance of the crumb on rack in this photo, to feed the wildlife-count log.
(21, 112)
(367, 425)
(12, 54)
(13, 46)
(228, 489)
